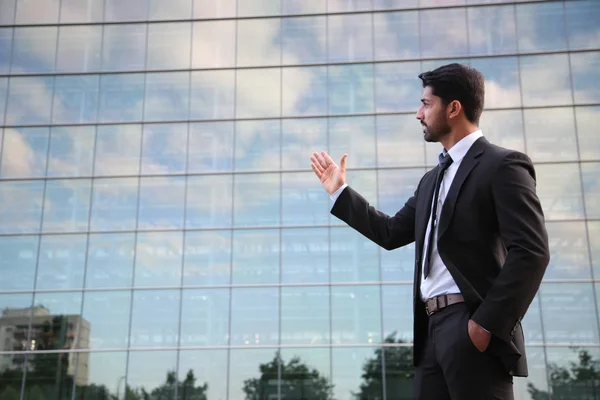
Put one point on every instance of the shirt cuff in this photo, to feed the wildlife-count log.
(337, 193)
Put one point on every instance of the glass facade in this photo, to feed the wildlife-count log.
(162, 235)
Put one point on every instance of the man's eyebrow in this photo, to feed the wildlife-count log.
(424, 100)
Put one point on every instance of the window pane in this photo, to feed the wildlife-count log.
(6, 37)
(155, 318)
(212, 95)
(443, 32)
(255, 256)
(303, 40)
(257, 145)
(532, 322)
(135, 10)
(103, 369)
(304, 91)
(550, 134)
(81, 11)
(37, 12)
(545, 80)
(213, 44)
(47, 380)
(397, 312)
(209, 367)
(29, 100)
(591, 188)
(563, 361)
(351, 5)
(541, 27)
(167, 96)
(210, 147)
(110, 260)
(18, 257)
(353, 316)
(396, 35)
(350, 37)
(566, 308)
(108, 314)
(569, 257)
(354, 136)
(300, 138)
(257, 199)
(350, 89)
(353, 257)
(169, 45)
(305, 315)
(249, 8)
(594, 235)
(398, 87)
(158, 260)
(62, 262)
(258, 44)
(8, 16)
(164, 149)
(255, 370)
(24, 152)
(305, 255)
(71, 151)
(161, 203)
(121, 98)
(114, 204)
(502, 88)
(3, 96)
(504, 128)
(303, 200)
(34, 50)
(303, 7)
(79, 48)
(254, 317)
(209, 201)
(349, 365)
(585, 68)
(21, 206)
(559, 190)
(207, 258)
(75, 99)
(492, 30)
(214, 8)
(205, 317)
(295, 383)
(582, 24)
(118, 149)
(398, 141)
(67, 205)
(587, 132)
(124, 47)
(174, 9)
(253, 81)
(149, 372)
(59, 312)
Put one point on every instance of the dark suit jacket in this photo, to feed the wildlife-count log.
(492, 239)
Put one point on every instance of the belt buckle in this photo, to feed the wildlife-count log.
(434, 306)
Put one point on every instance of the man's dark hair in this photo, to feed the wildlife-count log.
(458, 82)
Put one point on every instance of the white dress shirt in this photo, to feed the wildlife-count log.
(439, 281)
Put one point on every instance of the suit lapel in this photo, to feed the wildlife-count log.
(469, 162)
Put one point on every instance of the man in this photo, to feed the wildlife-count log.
(481, 246)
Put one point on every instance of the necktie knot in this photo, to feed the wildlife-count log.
(445, 161)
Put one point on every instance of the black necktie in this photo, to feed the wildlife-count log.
(445, 162)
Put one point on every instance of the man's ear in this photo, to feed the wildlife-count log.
(454, 109)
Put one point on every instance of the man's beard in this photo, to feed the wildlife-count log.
(434, 132)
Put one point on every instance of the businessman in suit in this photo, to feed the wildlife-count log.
(481, 246)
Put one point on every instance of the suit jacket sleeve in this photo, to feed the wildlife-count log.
(521, 225)
(387, 231)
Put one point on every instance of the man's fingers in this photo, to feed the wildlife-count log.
(317, 170)
(320, 160)
(343, 162)
(317, 163)
(327, 158)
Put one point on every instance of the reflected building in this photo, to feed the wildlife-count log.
(155, 185)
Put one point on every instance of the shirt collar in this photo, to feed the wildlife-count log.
(460, 149)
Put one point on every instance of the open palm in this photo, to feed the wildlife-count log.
(331, 175)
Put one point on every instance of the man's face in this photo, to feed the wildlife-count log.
(432, 115)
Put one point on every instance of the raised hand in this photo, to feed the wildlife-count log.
(331, 175)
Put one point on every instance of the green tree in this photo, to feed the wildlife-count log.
(298, 381)
(581, 381)
(398, 369)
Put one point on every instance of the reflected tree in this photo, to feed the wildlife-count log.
(580, 381)
(298, 381)
(398, 368)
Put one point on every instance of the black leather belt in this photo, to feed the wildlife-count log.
(437, 303)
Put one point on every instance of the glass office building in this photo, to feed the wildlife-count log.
(162, 235)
